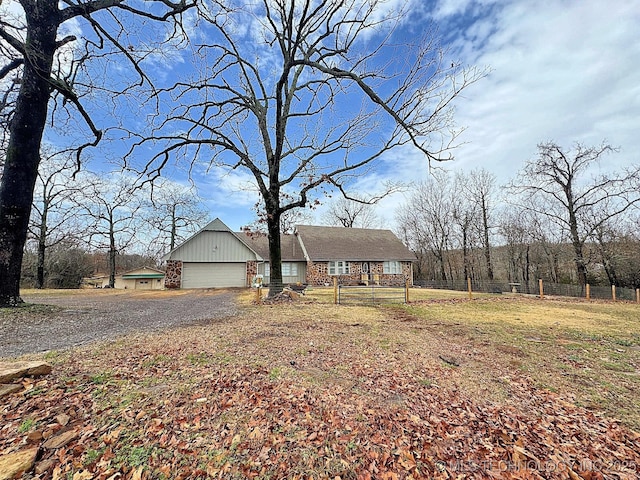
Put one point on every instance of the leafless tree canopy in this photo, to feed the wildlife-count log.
(564, 187)
(426, 220)
(304, 95)
(40, 60)
(343, 212)
(175, 212)
(112, 208)
(53, 218)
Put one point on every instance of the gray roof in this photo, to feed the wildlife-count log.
(319, 244)
(332, 243)
(340, 243)
(259, 243)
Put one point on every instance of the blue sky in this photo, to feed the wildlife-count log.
(561, 70)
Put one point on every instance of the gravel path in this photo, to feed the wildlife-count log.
(85, 316)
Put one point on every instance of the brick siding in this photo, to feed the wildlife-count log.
(173, 275)
(318, 274)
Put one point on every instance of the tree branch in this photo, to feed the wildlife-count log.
(10, 67)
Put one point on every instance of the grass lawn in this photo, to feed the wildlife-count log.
(444, 387)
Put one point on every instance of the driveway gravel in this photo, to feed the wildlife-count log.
(68, 319)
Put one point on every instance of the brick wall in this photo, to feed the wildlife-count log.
(173, 275)
(318, 274)
(252, 271)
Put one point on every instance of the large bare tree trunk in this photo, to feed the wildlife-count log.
(578, 245)
(275, 255)
(23, 152)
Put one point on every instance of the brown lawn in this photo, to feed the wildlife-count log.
(446, 387)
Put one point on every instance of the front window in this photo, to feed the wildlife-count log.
(339, 267)
(393, 268)
(289, 269)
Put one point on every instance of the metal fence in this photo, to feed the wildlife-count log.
(555, 289)
(370, 295)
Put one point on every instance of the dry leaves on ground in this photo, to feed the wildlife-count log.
(260, 399)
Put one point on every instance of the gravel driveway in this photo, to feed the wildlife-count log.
(84, 316)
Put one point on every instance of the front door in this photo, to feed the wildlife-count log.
(365, 269)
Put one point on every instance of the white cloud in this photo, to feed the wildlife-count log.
(562, 70)
(230, 195)
(567, 71)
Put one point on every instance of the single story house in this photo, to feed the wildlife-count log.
(144, 278)
(219, 257)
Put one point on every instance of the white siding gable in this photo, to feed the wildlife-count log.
(213, 246)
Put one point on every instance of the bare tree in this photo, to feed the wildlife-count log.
(569, 190)
(465, 216)
(47, 66)
(611, 239)
(174, 211)
(426, 219)
(479, 187)
(112, 209)
(351, 213)
(52, 218)
(514, 227)
(305, 95)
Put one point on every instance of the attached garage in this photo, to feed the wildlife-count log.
(212, 275)
(215, 257)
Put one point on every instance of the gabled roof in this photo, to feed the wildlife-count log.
(259, 243)
(215, 225)
(359, 244)
(143, 272)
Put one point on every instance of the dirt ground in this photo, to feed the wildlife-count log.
(65, 319)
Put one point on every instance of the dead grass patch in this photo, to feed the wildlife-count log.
(315, 390)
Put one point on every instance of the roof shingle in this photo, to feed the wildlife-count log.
(333, 243)
(357, 244)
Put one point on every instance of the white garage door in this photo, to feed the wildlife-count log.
(144, 284)
(208, 275)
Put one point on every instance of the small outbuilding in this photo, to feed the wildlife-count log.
(143, 278)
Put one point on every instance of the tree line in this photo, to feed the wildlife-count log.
(87, 222)
(560, 219)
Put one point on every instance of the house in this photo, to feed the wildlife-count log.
(143, 278)
(219, 257)
(316, 255)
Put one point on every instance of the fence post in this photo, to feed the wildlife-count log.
(406, 292)
(335, 291)
(541, 287)
(469, 287)
(588, 291)
(638, 295)
(613, 292)
(258, 295)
